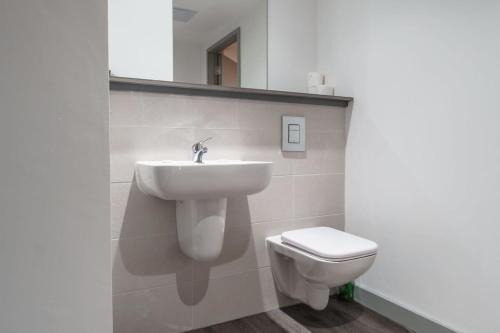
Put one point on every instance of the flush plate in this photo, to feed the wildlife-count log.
(293, 133)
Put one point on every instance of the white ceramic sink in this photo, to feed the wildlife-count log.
(201, 191)
(180, 180)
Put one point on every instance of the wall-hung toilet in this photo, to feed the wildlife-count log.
(306, 263)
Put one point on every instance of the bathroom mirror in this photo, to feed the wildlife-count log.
(259, 44)
(220, 42)
(216, 42)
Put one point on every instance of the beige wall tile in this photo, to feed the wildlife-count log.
(172, 111)
(275, 202)
(334, 221)
(177, 111)
(152, 279)
(238, 212)
(146, 262)
(131, 144)
(325, 153)
(237, 256)
(263, 230)
(213, 113)
(165, 309)
(325, 118)
(125, 108)
(319, 195)
(236, 296)
(260, 115)
(162, 110)
(244, 250)
(135, 214)
(277, 110)
(261, 145)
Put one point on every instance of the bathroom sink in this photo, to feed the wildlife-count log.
(201, 191)
(180, 180)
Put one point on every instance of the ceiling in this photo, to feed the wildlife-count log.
(211, 16)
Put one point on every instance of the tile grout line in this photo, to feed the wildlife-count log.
(300, 218)
(128, 292)
(313, 131)
(256, 222)
(192, 282)
(274, 176)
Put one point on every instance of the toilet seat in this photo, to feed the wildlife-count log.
(307, 263)
(329, 243)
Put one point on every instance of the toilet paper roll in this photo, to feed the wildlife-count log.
(314, 79)
(323, 89)
(312, 89)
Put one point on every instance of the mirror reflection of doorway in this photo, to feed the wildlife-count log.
(223, 61)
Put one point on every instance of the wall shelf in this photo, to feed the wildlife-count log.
(129, 84)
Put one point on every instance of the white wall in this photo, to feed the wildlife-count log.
(54, 170)
(140, 39)
(292, 43)
(189, 62)
(423, 152)
(254, 48)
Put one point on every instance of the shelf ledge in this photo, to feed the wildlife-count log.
(168, 87)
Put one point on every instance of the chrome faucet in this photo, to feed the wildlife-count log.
(199, 150)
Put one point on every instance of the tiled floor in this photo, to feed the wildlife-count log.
(338, 317)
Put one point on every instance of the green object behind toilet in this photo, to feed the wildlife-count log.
(346, 292)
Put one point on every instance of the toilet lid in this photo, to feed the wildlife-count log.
(329, 243)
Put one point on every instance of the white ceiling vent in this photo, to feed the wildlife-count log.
(183, 15)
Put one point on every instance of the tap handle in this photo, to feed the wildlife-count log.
(199, 145)
(205, 140)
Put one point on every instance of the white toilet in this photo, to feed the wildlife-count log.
(306, 263)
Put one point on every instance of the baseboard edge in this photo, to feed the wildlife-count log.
(399, 314)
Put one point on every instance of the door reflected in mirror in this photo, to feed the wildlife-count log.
(223, 61)
(220, 42)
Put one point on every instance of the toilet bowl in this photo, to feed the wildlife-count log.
(306, 263)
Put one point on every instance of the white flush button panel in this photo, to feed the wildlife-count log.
(293, 131)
